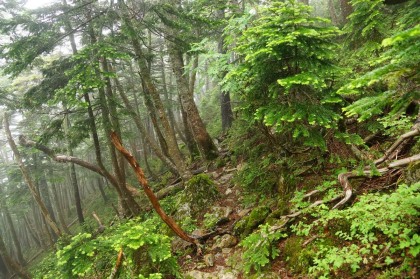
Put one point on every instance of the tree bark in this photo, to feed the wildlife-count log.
(72, 170)
(58, 205)
(205, 144)
(142, 129)
(225, 104)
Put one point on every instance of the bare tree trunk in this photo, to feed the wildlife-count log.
(225, 105)
(28, 179)
(139, 124)
(100, 184)
(332, 11)
(346, 10)
(32, 233)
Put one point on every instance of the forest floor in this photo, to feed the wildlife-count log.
(221, 256)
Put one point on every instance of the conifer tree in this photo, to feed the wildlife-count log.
(286, 79)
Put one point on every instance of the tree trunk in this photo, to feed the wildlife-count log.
(127, 202)
(72, 169)
(225, 105)
(346, 10)
(139, 124)
(205, 144)
(170, 138)
(148, 191)
(14, 265)
(13, 232)
(58, 206)
(28, 179)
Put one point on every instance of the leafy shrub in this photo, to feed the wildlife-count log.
(147, 253)
(380, 230)
(260, 248)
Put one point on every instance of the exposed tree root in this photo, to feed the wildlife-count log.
(392, 152)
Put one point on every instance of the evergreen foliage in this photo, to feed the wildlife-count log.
(286, 78)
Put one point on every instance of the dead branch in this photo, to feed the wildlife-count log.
(404, 162)
(149, 193)
(66, 159)
(101, 227)
(115, 271)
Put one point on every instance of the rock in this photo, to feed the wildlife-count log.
(226, 273)
(209, 260)
(196, 274)
(226, 241)
(247, 224)
(217, 216)
(265, 275)
(179, 244)
(226, 178)
(199, 232)
(219, 257)
(228, 191)
(226, 251)
(201, 265)
(200, 191)
(243, 212)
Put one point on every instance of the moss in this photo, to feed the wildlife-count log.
(257, 216)
(412, 173)
(298, 259)
(200, 191)
(220, 162)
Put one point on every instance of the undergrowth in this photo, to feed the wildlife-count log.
(378, 231)
(147, 254)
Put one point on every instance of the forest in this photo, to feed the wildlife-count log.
(209, 139)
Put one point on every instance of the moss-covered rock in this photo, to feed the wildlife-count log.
(412, 173)
(199, 193)
(247, 224)
(282, 209)
(298, 259)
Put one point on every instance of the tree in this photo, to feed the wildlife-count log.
(285, 81)
(29, 180)
(391, 86)
(15, 266)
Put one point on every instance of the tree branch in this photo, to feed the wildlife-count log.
(152, 197)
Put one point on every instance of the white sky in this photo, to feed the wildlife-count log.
(32, 4)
